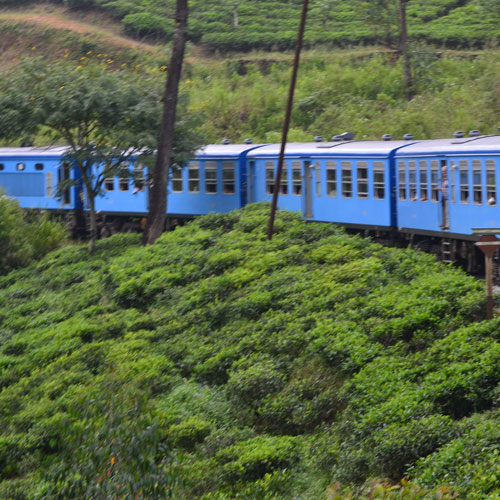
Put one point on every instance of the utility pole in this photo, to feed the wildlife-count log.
(286, 125)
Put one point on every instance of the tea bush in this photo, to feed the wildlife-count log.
(231, 366)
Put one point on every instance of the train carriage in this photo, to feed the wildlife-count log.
(347, 182)
(448, 187)
(32, 176)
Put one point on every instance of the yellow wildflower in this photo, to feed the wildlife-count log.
(163, 68)
(32, 99)
(83, 58)
(79, 67)
(89, 52)
(61, 87)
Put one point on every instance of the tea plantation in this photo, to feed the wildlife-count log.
(217, 365)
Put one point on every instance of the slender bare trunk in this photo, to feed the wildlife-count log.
(158, 189)
(93, 223)
(404, 50)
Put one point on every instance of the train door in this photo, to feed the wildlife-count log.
(63, 178)
(308, 194)
(251, 182)
(444, 212)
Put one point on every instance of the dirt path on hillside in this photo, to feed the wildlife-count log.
(59, 21)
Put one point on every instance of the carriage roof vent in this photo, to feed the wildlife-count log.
(347, 136)
(408, 137)
(318, 138)
(226, 142)
(336, 138)
(459, 134)
(248, 141)
(386, 137)
(474, 133)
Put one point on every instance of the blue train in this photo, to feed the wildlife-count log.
(428, 194)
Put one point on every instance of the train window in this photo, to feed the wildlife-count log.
(412, 180)
(362, 171)
(123, 185)
(48, 184)
(317, 169)
(378, 180)
(451, 177)
(331, 179)
(20, 166)
(177, 179)
(228, 182)
(109, 184)
(296, 178)
(123, 177)
(139, 180)
(491, 185)
(269, 177)
(464, 181)
(194, 177)
(434, 180)
(284, 179)
(210, 177)
(346, 168)
(402, 180)
(477, 185)
(38, 166)
(2, 166)
(424, 186)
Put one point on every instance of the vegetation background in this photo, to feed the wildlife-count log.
(217, 365)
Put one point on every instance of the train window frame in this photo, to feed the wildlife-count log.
(297, 178)
(284, 179)
(210, 169)
(423, 181)
(49, 189)
(331, 180)
(123, 185)
(463, 177)
(20, 166)
(362, 179)
(177, 180)
(402, 180)
(491, 193)
(412, 180)
(477, 181)
(346, 175)
(228, 177)
(269, 167)
(317, 173)
(434, 181)
(194, 177)
(39, 166)
(378, 180)
(139, 180)
(109, 184)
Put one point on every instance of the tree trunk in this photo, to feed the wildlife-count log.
(404, 50)
(93, 223)
(158, 189)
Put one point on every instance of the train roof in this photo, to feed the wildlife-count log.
(225, 150)
(329, 149)
(465, 146)
(34, 152)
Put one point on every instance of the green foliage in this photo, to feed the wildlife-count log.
(24, 239)
(272, 368)
(112, 450)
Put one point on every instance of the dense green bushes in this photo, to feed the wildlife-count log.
(23, 240)
(243, 368)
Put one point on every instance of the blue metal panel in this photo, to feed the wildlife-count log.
(22, 184)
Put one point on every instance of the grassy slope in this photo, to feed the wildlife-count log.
(274, 367)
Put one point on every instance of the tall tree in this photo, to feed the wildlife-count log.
(106, 118)
(389, 24)
(158, 189)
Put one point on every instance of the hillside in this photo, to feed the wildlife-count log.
(272, 24)
(233, 367)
